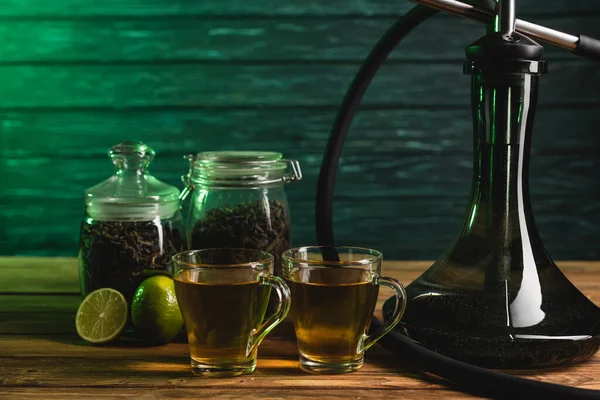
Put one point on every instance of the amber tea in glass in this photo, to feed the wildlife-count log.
(223, 295)
(333, 303)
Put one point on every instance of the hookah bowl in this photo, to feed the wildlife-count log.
(495, 298)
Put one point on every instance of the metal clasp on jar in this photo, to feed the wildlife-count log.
(296, 174)
(188, 186)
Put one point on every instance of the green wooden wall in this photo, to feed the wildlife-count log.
(78, 76)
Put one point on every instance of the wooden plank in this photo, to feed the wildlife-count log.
(40, 303)
(400, 227)
(581, 273)
(37, 231)
(219, 85)
(31, 134)
(265, 128)
(132, 365)
(246, 85)
(42, 315)
(57, 278)
(136, 364)
(46, 313)
(161, 8)
(443, 38)
(37, 323)
(273, 370)
(360, 175)
(48, 275)
(229, 393)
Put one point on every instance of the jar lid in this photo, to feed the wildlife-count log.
(242, 168)
(131, 193)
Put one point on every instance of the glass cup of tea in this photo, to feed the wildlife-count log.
(223, 296)
(334, 293)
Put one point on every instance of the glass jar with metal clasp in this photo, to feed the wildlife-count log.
(237, 200)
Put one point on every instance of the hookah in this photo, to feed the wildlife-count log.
(495, 298)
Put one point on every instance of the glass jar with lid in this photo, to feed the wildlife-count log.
(237, 200)
(132, 225)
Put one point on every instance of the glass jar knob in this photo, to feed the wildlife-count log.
(131, 156)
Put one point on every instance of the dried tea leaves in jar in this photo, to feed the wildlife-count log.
(120, 255)
(254, 225)
(132, 225)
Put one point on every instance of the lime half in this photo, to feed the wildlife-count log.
(101, 316)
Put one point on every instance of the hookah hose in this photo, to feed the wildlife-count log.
(473, 379)
(462, 376)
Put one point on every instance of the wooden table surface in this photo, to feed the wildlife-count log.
(41, 355)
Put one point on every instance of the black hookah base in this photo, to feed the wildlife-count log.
(465, 327)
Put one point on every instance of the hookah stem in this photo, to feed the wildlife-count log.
(497, 277)
(463, 376)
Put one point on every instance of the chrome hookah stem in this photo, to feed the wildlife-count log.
(539, 32)
(506, 18)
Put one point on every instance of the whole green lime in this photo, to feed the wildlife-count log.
(155, 312)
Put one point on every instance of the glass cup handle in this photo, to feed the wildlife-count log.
(394, 284)
(284, 294)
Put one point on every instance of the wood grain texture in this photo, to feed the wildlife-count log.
(360, 175)
(41, 323)
(58, 133)
(147, 8)
(276, 368)
(403, 226)
(229, 393)
(62, 272)
(48, 313)
(185, 76)
(57, 275)
(44, 364)
(247, 85)
(39, 303)
(106, 40)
